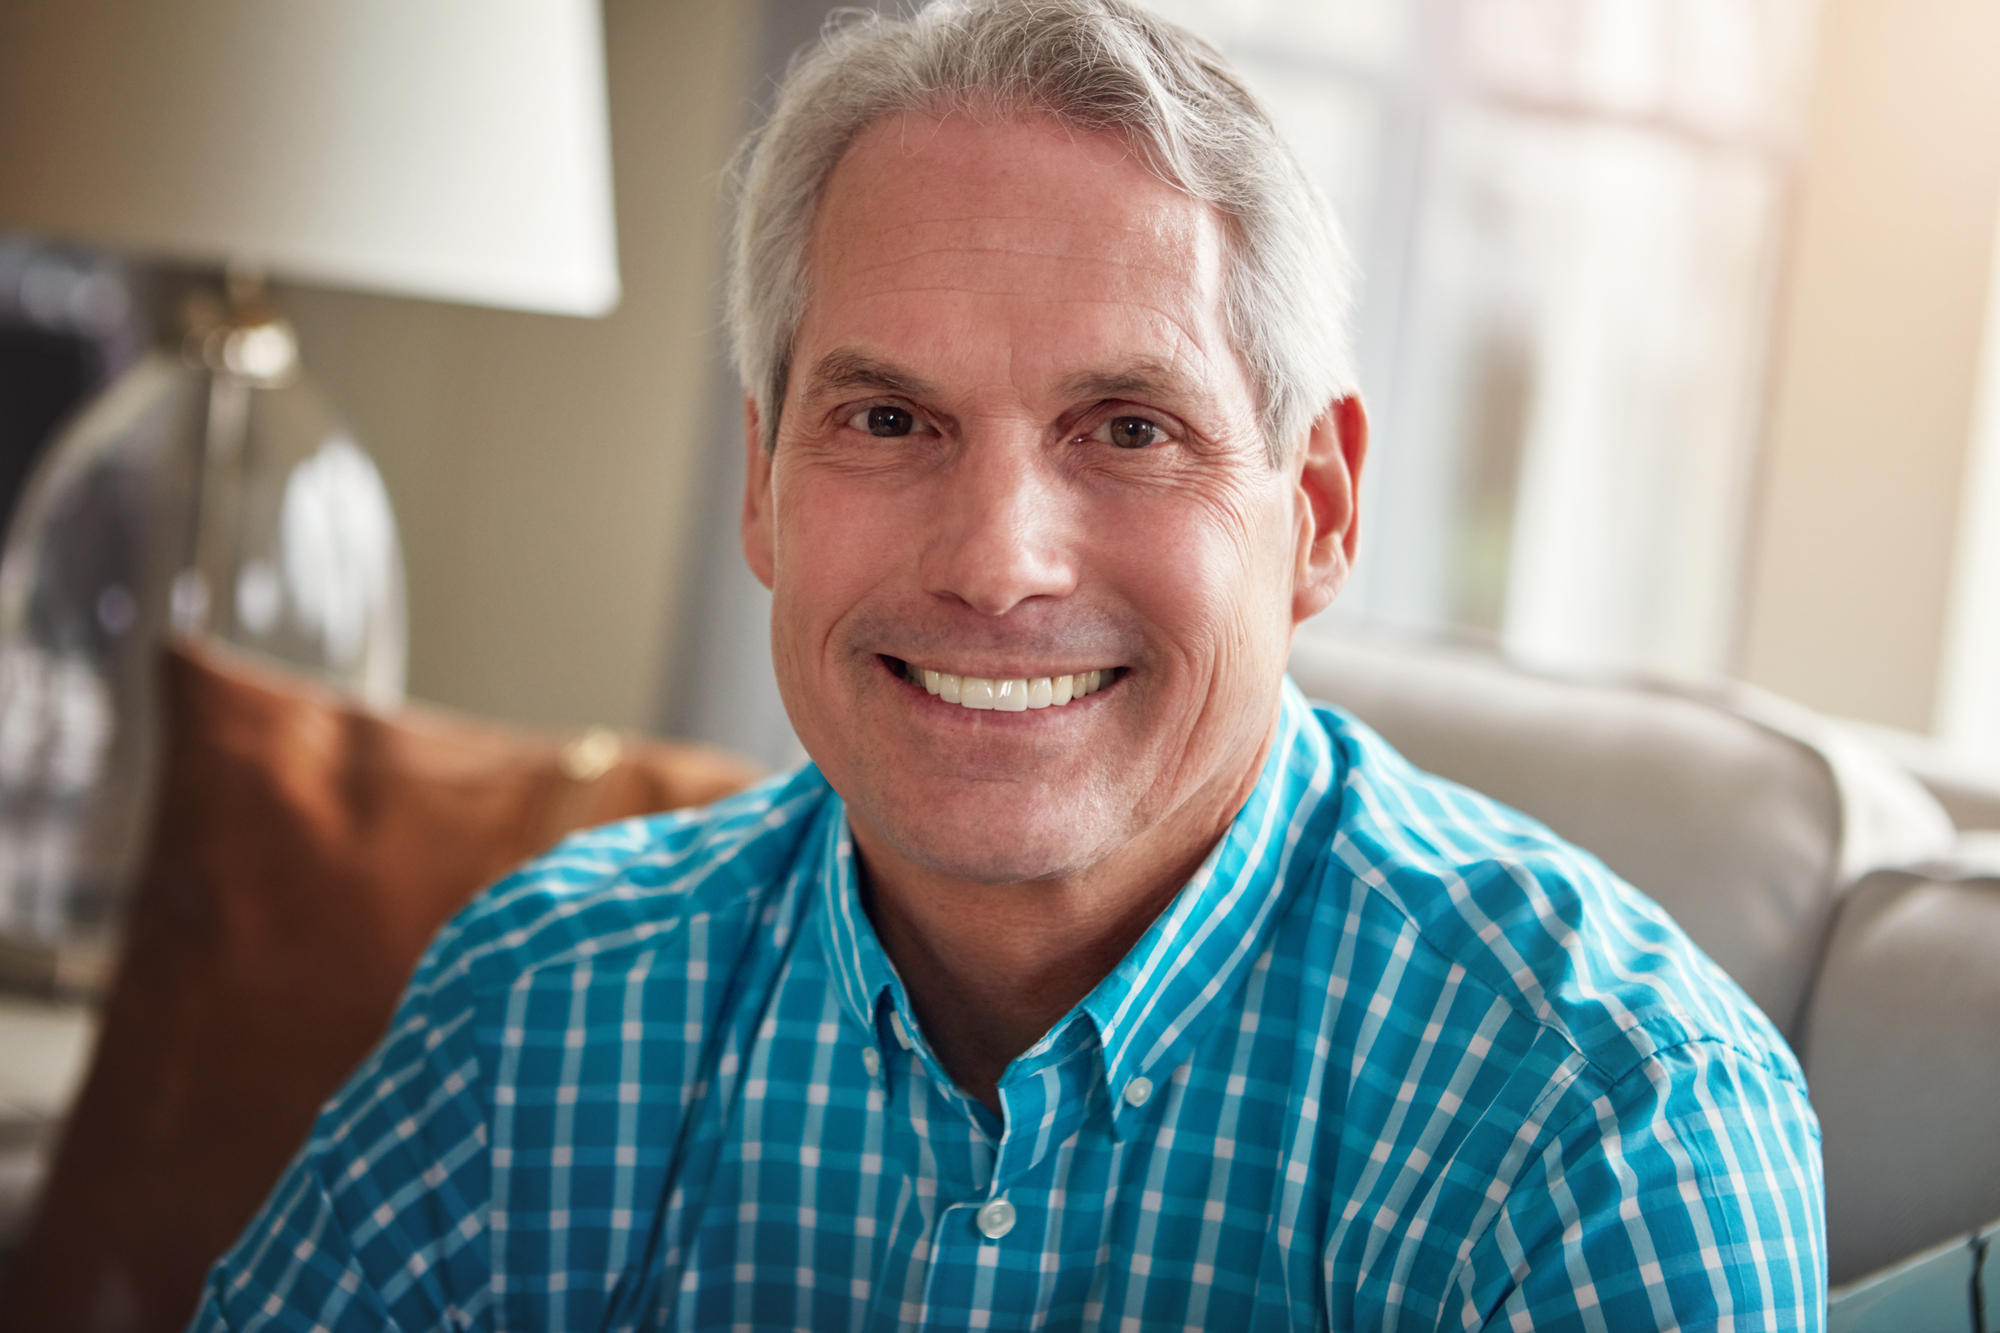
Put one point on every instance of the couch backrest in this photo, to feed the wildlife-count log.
(1743, 817)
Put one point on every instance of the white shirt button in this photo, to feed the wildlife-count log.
(996, 1219)
(872, 1060)
(1138, 1090)
(902, 1033)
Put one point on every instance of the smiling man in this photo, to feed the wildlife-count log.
(1035, 570)
(1089, 977)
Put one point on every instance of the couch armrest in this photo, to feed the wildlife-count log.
(1901, 1046)
(1967, 789)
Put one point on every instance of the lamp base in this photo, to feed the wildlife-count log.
(208, 492)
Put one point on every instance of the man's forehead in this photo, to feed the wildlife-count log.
(1146, 243)
(957, 190)
(939, 239)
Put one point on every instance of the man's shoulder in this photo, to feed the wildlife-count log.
(638, 884)
(1538, 922)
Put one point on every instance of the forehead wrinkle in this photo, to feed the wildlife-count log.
(1177, 240)
(847, 368)
(997, 213)
(904, 259)
(986, 222)
(1181, 332)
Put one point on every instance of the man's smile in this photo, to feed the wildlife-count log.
(1004, 694)
(1020, 474)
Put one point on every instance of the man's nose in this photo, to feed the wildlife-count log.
(999, 536)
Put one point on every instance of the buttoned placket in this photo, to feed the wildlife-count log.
(1099, 1071)
(1046, 1096)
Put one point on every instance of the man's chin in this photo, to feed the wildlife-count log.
(996, 851)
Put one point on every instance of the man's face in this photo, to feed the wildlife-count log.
(1017, 445)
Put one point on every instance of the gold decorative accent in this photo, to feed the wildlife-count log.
(244, 341)
(591, 755)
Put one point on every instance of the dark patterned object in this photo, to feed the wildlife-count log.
(68, 322)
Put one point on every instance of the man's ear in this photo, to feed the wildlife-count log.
(757, 533)
(1329, 481)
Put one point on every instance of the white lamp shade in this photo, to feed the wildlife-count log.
(447, 148)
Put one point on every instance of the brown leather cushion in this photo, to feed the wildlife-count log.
(304, 853)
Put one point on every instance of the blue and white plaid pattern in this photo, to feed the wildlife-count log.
(1394, 1058)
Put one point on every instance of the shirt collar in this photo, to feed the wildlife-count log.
(1164, 996)
(871, 993)
(1159, 1002)
(862, 972)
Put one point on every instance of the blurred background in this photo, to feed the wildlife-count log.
(1677, 326)
(1673, 328)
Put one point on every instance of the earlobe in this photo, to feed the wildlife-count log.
(1329, 482)
(757, 534)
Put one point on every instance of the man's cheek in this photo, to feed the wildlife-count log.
(819, 555)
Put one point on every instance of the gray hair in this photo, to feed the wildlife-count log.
(1091, 64)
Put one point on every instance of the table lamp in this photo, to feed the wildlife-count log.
(451, 149)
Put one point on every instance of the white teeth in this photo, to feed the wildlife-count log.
(1013, 695)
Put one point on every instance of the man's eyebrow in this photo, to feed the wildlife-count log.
(1143, 378)
(844, 370)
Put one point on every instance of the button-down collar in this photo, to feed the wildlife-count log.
(1161, 999)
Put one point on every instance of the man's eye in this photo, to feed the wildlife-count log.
(1133, 432)
(885, 421)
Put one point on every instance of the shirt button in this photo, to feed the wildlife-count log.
(1138, 1090)
(872, 1060)
(996, 1219)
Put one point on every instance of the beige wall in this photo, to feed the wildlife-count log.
(1877, 361)
(542, 467)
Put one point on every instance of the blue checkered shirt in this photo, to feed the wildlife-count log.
(1395, 1057)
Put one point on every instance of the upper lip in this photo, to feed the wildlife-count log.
(1001, 673)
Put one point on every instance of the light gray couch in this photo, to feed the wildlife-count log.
(1821, 872)
(1816, 868)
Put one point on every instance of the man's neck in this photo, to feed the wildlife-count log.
(990, 969)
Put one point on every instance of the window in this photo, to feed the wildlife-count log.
(1568, 217)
